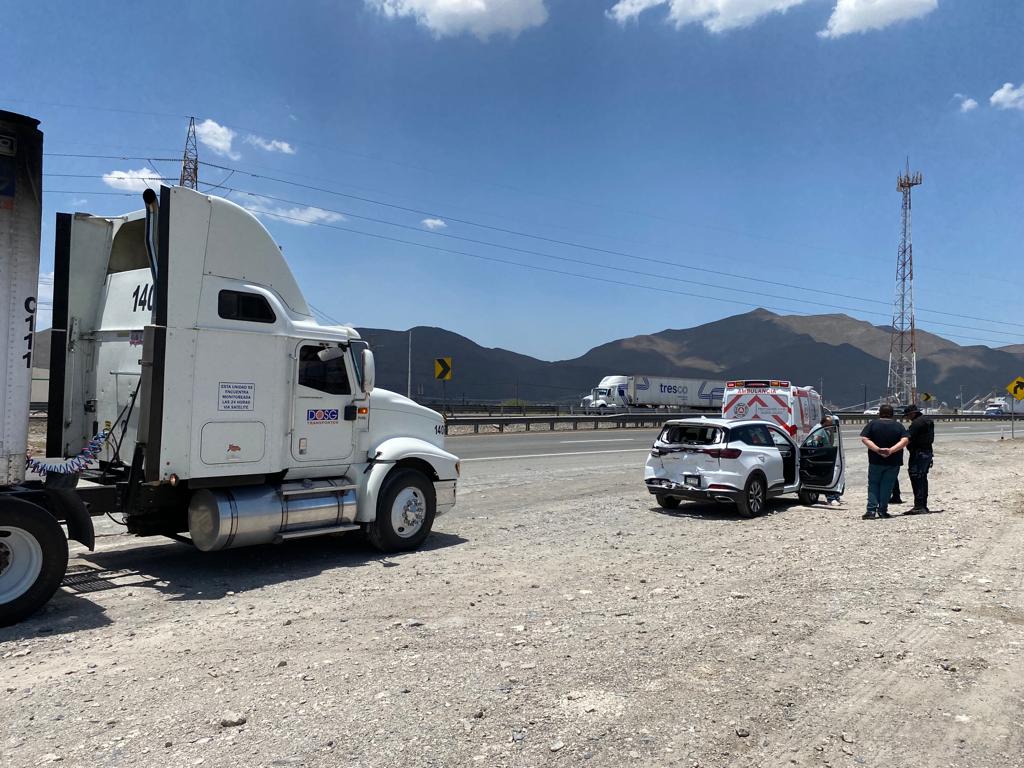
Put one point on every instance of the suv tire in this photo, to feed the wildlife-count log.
(754, 499)
(668, 502)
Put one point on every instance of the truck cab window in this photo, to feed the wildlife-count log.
(330, 377)
(248, 307)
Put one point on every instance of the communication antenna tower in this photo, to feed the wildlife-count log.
(902, 387)
(190, 160)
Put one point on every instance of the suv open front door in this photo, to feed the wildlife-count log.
(821, 460)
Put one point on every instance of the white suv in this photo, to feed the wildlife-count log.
(741, 462)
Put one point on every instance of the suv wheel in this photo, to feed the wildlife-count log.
(668, 502)
(754, 498)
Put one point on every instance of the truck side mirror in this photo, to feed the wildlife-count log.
(369, 371)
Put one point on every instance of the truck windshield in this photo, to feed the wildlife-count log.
(690, 434)
(602, 392)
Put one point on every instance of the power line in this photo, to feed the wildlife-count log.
(518, 233)
(583, 246)
(587, 263)
(593, 263)
(539, 268)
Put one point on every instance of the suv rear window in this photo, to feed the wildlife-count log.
(690, 434)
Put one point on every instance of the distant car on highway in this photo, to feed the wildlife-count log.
(741, 462)
(995, 411)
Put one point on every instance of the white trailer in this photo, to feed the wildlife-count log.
(655, 392)
(194, 393)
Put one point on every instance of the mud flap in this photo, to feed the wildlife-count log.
(65, 504)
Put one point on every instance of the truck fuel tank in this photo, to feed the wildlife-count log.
(225, 518)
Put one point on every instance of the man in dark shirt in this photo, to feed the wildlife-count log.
(922, 437)
(885, 439)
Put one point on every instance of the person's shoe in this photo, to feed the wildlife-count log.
(884, 515)
(897, 500)
(917, 511)
(834, 503)
(868, 516)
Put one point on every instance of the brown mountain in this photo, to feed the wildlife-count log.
(839, 353)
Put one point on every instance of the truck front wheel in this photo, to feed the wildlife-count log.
(405, 512)
(33, 559)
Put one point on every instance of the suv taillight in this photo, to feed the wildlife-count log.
(724, 453)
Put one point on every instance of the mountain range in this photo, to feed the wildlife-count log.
(843, 356)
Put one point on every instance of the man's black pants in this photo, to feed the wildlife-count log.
(918, 466)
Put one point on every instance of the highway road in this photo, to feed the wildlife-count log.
(591, 445)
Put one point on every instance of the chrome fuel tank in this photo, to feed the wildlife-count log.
(225, 518)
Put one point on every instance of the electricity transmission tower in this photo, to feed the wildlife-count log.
(190, 160)
(902, 386)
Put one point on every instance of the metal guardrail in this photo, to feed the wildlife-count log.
(649, 419)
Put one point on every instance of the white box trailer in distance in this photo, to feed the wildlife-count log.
(796, 409)
(654, 392)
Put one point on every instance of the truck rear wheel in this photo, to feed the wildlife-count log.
(405, 512)
(668, 502)
(33, 559)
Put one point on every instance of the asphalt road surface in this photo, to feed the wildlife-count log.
(590, 445)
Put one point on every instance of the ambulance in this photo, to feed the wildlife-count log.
(797, 410)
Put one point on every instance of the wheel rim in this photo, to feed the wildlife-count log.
(408, 512)
(755, 497)
(21, 562)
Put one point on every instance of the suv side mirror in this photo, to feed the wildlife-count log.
(369, 371)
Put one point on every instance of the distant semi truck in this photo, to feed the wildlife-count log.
(654, 392)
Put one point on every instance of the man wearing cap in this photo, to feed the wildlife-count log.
(922, 437)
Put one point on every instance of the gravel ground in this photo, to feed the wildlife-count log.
(557, 617)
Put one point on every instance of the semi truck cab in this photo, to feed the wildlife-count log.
(197, 395)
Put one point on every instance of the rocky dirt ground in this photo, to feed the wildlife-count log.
(557, 617)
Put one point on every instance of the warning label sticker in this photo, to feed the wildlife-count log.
(236, 396)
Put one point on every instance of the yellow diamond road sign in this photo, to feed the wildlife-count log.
(1016, 388)
(443, 368)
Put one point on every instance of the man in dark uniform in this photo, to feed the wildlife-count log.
(885, 439)
(922, 438)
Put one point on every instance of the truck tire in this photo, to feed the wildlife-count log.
(405, 512)
(33, 559)
(808, 498)
(754, 499)
(668, 502)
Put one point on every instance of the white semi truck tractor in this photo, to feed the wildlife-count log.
(192, 392)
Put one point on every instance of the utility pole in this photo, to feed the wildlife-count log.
(190, 159)
(902, 384)
(408, 380)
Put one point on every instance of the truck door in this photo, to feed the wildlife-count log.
(821, 459)
(323, 390)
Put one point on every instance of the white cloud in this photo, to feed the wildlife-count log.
(433, 224)
(966, 102)
(482, 18)
(300, 216)
(715, 15)
(1008, 97)
(79, 201)
(270, 145)
(217, 137)
(133, 181)
(851, 16)
(44, 302)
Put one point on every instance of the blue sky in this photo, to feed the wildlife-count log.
(761, 138)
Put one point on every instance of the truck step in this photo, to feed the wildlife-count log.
(323, 490)
(310, 532)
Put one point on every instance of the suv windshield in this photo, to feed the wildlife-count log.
(690, 434)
